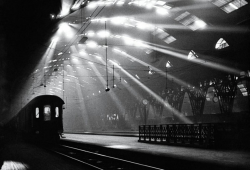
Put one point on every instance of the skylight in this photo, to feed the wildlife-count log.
(192, 55)
(168, 64)
(120, 3)
(162, 34)
(191, 21)
(130, 22)
(228, 5)
(221, 43)
(161, 6)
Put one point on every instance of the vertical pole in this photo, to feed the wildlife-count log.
(113, 76)
(44, 81)
(106, 50)
(166, 77)
(200, 135)
(172, 84)
(44, 73)
(63, 80)
(161, 133)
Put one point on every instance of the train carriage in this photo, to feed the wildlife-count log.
(41, 118)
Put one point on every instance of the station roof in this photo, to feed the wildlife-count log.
(124, 43)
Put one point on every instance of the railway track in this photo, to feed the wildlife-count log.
(99, 161)
(104, 158)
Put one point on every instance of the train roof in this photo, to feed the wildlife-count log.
(46, 98)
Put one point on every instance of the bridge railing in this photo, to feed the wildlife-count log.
(184, 134)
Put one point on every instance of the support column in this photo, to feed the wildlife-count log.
(175, 98)
(226, 90)
(197, 98)
(243, 84)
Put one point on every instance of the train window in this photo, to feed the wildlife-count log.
(57, 112)
(47, 113)
(37, 112)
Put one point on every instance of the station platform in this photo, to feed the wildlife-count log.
(228, 159)
(16, 154)
(19, 155)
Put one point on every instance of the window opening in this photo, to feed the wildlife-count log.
(221, 43)
(37, 112)
(229, 6)
(57, 112)
(192, 55)
(47, 113)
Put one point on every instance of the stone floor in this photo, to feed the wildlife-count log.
(19, 155)
(227, 158)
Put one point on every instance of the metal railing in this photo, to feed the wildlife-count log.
(205, 135)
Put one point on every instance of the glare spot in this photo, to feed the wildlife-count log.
(161, 11)
(103, 33)
(103, 20)
(63, 26)
(119, 146)
(200, 23)
(55, 39)
(8, 165)
(160, 3)
(91, 44)
(90, 33)
(120, 3)
(128, 40)
(141, 25)
(118, 20)
(92, 5)
(82, 53)
(149, 5)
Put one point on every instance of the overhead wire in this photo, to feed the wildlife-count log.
(73, 41)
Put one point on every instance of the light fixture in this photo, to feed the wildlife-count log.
(52, 16)
(161, 11)
(118, 20)
(150, 71)
(91, 44)
(200, 23)
(90, 33)
(103, 33)
(168, 65)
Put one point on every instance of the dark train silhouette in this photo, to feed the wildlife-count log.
(40, 119)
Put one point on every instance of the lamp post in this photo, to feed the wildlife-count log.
(168, 65)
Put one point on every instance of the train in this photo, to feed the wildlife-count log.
(40, 120)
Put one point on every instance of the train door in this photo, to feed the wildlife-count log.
(47, 113)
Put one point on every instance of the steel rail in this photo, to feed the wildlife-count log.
(78, 160)
(110, 157)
